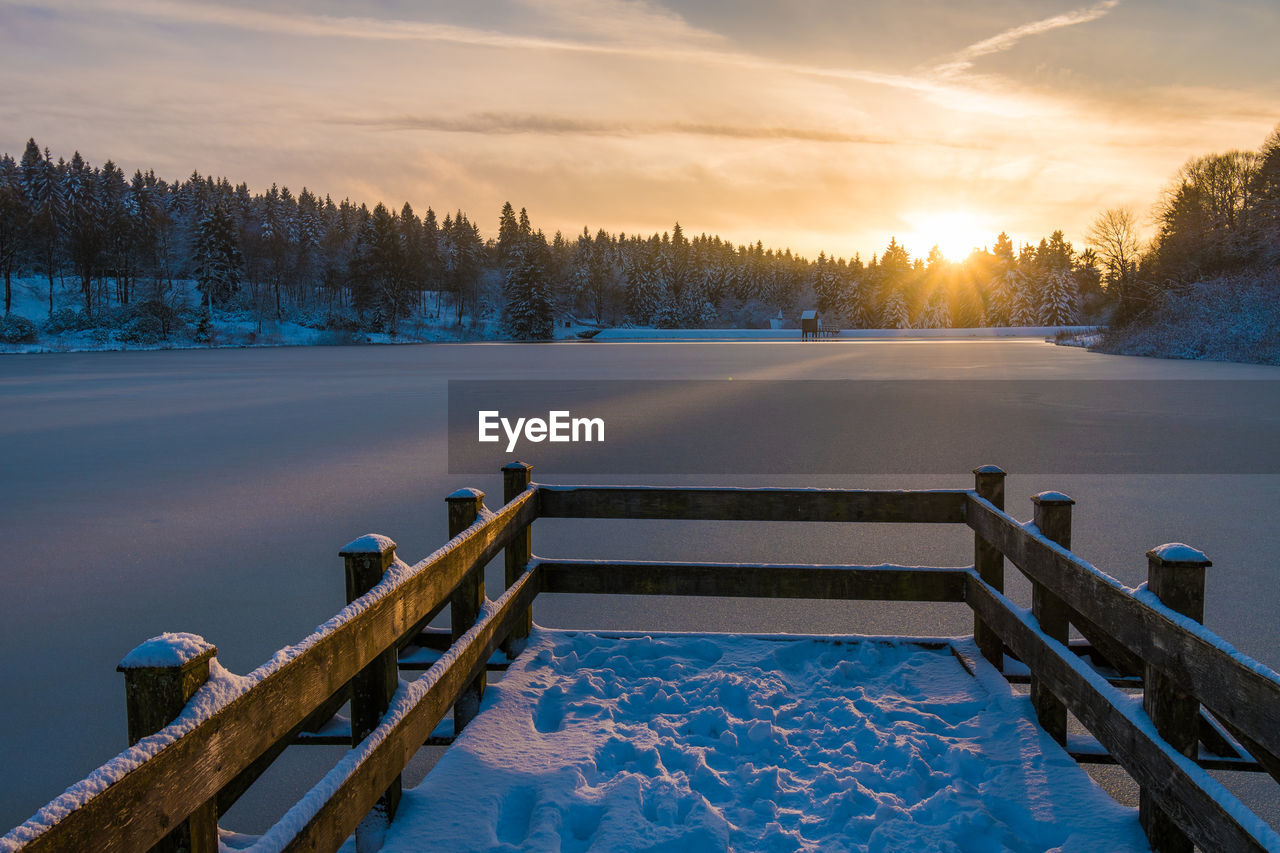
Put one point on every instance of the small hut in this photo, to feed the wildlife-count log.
(810, 323)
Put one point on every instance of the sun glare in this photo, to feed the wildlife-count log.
(956, 233)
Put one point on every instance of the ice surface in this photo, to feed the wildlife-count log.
(717, 742)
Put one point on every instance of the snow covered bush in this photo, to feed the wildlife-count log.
(143, 330)
(1225, 319)
(67, 320)
(16, 329)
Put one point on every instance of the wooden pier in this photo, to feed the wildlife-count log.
(1203, 706)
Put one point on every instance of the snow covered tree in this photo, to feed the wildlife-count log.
(217, 257)
(1060, 300)
(895, 314)
(644, 288)
(84, 232)
(527, 301)
(508, 233)
(44, 210)
(936, 313)
(14, 222)
(826, 284)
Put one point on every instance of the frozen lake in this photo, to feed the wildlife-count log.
(209, 491)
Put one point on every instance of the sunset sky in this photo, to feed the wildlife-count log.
(824, 125)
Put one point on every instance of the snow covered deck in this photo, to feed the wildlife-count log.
(718, 742)
(701, 742)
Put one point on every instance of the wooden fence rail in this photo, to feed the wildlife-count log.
(167, 793)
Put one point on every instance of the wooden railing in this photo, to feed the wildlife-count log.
(196, 751)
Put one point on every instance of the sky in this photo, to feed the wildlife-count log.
(816, 125)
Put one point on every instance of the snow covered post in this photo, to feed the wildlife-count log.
(160, 677)
(1053, 518)
(464, 606)
(1175, 575)
(988, 482)
(516, 477)
(366, 559)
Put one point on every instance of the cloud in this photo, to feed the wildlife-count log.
(550, 125)
(963, 60)
(648, 35)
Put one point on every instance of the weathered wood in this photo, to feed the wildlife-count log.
(366, 560)
(1121, 659)
(988, 483)
(1177, 578)
(390, 748)
(714, 504)
(759, 580)
(1105, 712)
(139, 809)
(1266, 760)
(154, 697)
(1206, 762)
(1237, 694)
(237, 787)
(516, 477)
(1053, 519)
(468, 598)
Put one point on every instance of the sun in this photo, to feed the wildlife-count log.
(956, 233)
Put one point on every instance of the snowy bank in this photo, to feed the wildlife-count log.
(718, 742)
(793, 335)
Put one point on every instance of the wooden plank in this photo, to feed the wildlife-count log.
(467, 601)
(516, 477)
(143, 805)
(941, 506)
(391, 746)
(367, 560)
(1186, 652)
(1265, 759)
(236, 788)
(1179, 584)
(1053, 519)
(758, 580)
(988, 483)
(1110, 717)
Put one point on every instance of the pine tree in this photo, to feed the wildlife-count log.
(853, 304)
(217, 257)
(1023, 309)
(1060, 299)
(527, 303)
(936, 313)
(44, 210)
(644, 293)
(895, 315)
(508, 233)
(826, 285)
(15, 220)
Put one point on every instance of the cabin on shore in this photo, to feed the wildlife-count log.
(812, 327)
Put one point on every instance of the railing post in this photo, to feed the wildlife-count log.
(464, 606)
(1175, 575)
(366, 560)
(1053, 518)
(516, 477)
(160, 677)
(988, 483)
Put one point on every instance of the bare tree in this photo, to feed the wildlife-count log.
(1114, 235)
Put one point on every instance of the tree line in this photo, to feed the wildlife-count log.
(1218, 217)
(275, 254)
